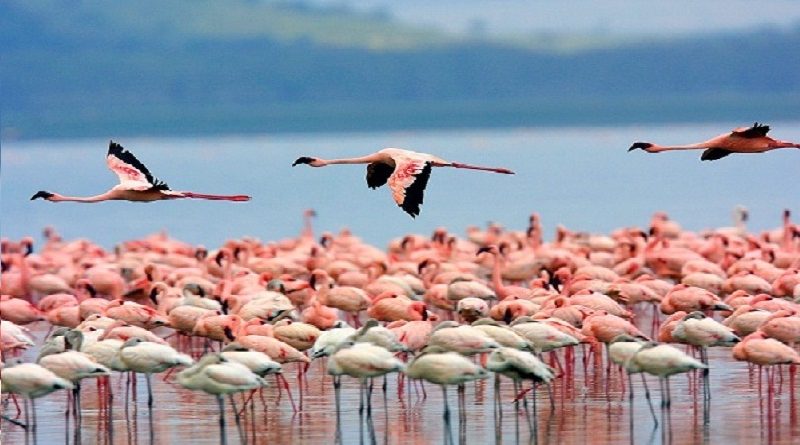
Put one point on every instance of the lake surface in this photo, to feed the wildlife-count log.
(581, 177)
(589, 408)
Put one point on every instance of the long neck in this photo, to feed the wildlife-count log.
(96, 198)
(362, 160)
(497, 279)
(681, 147)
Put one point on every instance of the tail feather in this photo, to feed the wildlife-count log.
(238, 198)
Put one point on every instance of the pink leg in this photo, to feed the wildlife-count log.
(288, 391)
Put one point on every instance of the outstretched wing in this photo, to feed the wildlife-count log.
(712, 154)
(408, 184)
(132, 174)
(756, 131)
(377, 174)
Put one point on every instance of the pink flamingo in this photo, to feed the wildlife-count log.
(741, 140)
(136, 183)
(406, 172)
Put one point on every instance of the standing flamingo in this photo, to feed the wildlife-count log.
(32, 381)
(741, 140)
(406, 171)
(136, 183)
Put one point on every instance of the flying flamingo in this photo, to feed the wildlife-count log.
(136, 183)
(406, 171)
(741, 140)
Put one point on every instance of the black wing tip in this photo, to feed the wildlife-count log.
(41, 194)
(757, 130)
(302, 160)
(712, 154)
(114, 148)
(415, 192)
(413, 211)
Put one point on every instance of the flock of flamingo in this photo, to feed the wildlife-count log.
(442, 309)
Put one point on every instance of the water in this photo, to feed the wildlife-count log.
(580, 177)
(585, 412)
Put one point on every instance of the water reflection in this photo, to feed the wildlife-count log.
(592, 404)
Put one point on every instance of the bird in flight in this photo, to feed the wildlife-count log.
(405, 171)
(741, 140)
(136, 183)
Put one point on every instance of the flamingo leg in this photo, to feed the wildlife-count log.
(222, 435)
(282, 379)
(149, 391)
(649, 400)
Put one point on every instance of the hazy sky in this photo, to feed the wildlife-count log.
(614, 16)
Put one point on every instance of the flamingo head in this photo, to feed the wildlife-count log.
(640, 145)
(47, 196)
(314, 162)
(418, 309)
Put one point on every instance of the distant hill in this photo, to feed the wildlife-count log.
(84, 68)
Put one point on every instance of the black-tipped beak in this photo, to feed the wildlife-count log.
(28, 249)
(218, 259)
(483, 250)
(42, 194)
(313, 282)
(153, 294)
(641, 145)
(425, 315)
(224, 307)
(229, 333)
(303, 160)
(508, 317)
(422, 266)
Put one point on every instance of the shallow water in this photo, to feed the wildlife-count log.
(581, 177)
(589, 408)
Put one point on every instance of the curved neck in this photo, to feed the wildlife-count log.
(497, 279)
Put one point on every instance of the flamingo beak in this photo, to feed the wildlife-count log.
(42, 194)
(229, 333)
(303, 160)
(153, 294)
(641, 145)
(483, 250)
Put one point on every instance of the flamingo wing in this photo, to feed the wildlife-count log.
(408, 184)
(756, 131)
(712, 154)
(377, 174)
(132, 174)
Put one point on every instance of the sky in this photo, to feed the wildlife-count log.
(583, 16)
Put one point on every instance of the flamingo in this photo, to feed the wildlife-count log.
(148, 358)
(661, 361)
(741, 140)
(519, 365)
(215, 375)
(136, 183)
(698, 330)
(32, 381)
(441, 367)
(406, 172)
(362, 361)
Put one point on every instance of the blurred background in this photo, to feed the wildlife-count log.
(208, 93)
